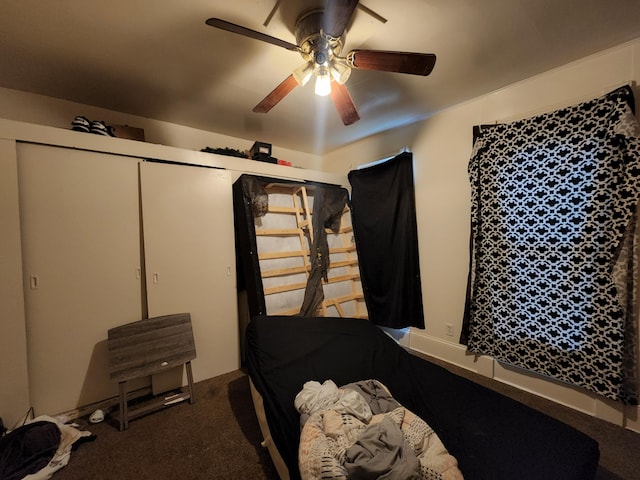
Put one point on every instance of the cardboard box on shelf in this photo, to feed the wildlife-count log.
(131, 133)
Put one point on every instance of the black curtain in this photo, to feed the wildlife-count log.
(384, 224)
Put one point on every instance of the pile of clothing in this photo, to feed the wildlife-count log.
(38, 449)
(359, 431)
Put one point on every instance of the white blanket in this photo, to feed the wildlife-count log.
(338, 418)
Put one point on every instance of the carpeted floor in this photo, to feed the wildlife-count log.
(218, 437)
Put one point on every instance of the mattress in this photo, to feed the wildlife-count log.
(491, 436)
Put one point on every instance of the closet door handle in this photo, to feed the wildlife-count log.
(156, 277)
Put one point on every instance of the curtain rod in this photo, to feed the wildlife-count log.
(384, 159)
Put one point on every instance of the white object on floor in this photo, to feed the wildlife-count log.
(97, 416)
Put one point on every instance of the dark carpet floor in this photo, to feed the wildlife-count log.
(218, 437)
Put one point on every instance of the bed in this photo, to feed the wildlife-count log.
(491, 436)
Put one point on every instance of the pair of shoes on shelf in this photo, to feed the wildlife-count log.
(100, 128)
(82, 124)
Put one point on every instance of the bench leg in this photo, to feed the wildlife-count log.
(190, 381)
(124, 414)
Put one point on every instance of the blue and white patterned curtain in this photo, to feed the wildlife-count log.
(554, 251)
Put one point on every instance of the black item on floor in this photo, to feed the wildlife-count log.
(28, 449)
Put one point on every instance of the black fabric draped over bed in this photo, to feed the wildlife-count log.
(383, 211)
(492, 436)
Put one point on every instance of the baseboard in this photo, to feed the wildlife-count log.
(558, 392)
(632, 418)
(453, 353)
(106, 405)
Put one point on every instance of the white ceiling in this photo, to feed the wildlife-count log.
(158, 59)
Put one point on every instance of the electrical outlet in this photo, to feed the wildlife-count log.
(449, 329)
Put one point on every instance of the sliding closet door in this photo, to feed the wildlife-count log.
(81, 258)
(14, 394)
(190, 257)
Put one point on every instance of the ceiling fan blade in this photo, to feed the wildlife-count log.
(247, 32)
(337, 15)
(344, 103)
(388, 61)
(276, 95)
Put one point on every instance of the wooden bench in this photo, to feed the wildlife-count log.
(147, 347)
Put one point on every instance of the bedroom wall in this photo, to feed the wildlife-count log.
(14, 396)
(442, 147)
(54, 112)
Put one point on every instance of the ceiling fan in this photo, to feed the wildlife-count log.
(320, 35)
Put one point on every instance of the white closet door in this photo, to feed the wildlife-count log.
(81, 257)
(14, 375)
(189, 254)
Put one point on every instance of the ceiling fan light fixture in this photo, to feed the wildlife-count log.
(323, 82)
(303, 73)
(340, 72)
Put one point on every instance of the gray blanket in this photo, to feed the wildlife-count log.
(376, 395)
(382, 453)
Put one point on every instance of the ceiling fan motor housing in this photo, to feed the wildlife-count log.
(321, 57)
(314, 45)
